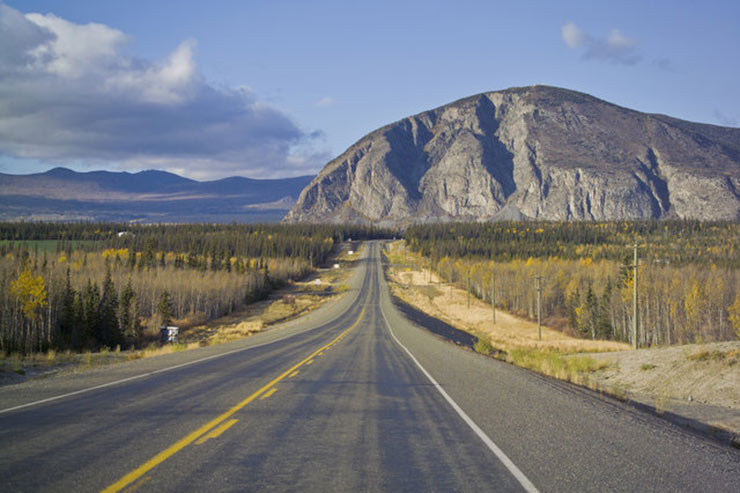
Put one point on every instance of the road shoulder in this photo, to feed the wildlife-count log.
(696, 387)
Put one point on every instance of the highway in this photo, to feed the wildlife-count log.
(354, 397)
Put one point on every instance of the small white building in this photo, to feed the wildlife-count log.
(169, 334)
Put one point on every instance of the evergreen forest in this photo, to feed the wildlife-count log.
(87, 286)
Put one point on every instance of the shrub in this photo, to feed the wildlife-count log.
(484, 347)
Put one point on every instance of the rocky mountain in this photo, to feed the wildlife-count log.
(148, 196)
(535, 152)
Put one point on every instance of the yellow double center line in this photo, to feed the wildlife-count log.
(192, 437)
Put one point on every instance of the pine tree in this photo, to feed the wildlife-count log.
(109, 335)
(164, 308)
(603, 325)
(67, 316)
(216, 261)
(91, 314)
(192, 259)
(128, 315)
(77, 336)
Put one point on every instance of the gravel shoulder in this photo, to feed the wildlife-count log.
(696, 382)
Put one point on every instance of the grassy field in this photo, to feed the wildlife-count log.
(49, 246)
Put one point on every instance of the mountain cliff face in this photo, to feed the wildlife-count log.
(536, 152)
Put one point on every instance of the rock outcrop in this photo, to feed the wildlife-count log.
(535, 152)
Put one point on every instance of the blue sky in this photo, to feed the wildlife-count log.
(278, 88)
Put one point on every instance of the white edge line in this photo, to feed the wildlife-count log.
(162, 370)
(513, 469)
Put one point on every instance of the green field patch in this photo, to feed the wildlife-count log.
(52, 246)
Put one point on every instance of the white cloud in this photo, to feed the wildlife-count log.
(615, 48)
(619, 41)
(572, 35)
(68, 94)
(325, 102)
(166, 82)
(18, 38)
(75, 49)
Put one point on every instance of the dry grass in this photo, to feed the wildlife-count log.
(53, 361)
(705, 355)
(449, 303)
(703, 373)
(511, 338)
(290, 302)
(574, 369)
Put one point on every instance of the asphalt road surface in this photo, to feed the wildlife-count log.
(352, 398)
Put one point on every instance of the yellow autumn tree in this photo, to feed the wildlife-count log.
(734, 312)
(30, 291)
(694, 304)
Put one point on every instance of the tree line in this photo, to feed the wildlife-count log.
(120, 288)
(587, 277)
(227, 240)
(675, 242)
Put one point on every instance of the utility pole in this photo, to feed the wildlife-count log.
(538, 285)
(634, 298)
(493, 296)
(450, 281)
(468, 287)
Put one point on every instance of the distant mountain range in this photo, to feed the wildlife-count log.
(533, 152)
(61, 194)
